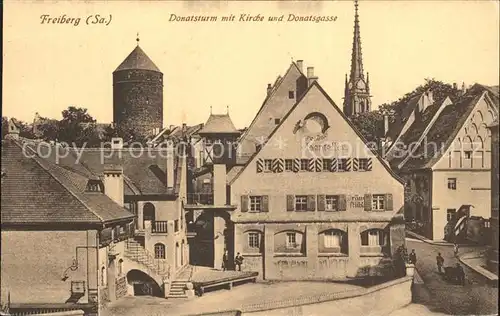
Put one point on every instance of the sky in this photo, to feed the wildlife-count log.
(48, 67)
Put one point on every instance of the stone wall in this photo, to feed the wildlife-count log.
(378, 300)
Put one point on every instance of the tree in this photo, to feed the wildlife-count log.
(371, 124)
(77, 126)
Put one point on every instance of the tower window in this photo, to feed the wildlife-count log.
(291, 94)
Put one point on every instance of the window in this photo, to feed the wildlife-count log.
(291, 94)
(301, 203)
(342, 164)
(374, 237)
(288, 164)
(256, 203)
(450, 214)
(452, 183)
(268, 165)
(304, 164)
(331, 202)
(327, 164)
(276, 121)
(291, 240)
(254, 240)
(333, 239)
(176, 225)
(378, 202)
(159, 251)
(468, 154)
(363, 164)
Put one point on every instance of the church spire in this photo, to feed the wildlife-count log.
(356, 56)
(357, 90)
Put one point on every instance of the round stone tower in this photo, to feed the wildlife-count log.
(138, 94)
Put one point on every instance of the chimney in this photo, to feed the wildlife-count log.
(386, 124)
(170, 165)
(269, 88)
(310, 76)
(455, 87)
(300, 65)
(464, 90)
(113, 183)
(116, 143)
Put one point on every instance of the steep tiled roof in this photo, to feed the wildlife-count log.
(240, 169)
(37, 191)
(145, 169)
(219, 123)
(137, 59)
(416, 130)
(444, 130)
(404, 112)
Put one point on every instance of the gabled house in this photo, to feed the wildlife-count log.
(62, 234)
(280, 97)
(313, 202)
(445, 161)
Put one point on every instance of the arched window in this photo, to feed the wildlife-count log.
(120, 267)
(333, 241)
(103, 276)
(159, 251)
(289, 242)
(148, 212)
(374, 238)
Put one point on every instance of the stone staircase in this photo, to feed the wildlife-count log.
(178, 287)
(157, 269)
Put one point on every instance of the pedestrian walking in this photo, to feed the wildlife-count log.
(238, 260)
(455, 249)
(460, 274)
(413, 257)
(225, 260)
(439, 262)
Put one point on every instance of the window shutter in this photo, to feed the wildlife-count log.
(319, 164)
(290, 203)
(244, 203)
(274, 165)
(369, 164)
(355, 162)
(364, 238)
(368, 202)
(280, 165)
(388, 202)
(265, 203)
(311, 164)
(348, 163)
(321, 202)
(311, 203)
(296, 165)
(260, 165)
(381, 239)
(342, 202)
(333, 165)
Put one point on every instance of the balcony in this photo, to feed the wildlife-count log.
(200, 198)
(159, 227)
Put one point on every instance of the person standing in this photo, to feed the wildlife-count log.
(413, 257)
(225, 259)
(455, 249)
(439, 262)
(239, 261)
(460, 274)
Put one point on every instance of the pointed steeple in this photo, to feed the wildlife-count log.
(357, 90)
(356, 56)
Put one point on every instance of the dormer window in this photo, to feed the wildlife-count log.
(94, 186)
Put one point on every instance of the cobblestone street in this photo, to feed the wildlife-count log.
(475, 298)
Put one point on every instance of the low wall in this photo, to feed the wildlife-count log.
(67, 313)
(377, 300)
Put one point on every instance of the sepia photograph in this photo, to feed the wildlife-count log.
(231, 157)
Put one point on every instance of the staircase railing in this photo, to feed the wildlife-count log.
(158, 266)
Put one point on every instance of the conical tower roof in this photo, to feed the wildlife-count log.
(137, 59)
